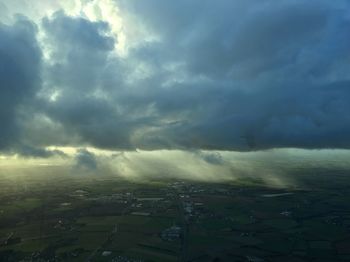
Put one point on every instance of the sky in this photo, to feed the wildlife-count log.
(205, 78)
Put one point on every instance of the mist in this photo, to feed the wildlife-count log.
(274, 168)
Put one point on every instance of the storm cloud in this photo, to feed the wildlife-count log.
(198, 75)
(20, 58)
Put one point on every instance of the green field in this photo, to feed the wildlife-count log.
(75, 220)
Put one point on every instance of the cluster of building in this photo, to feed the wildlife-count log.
(123, 198)
(171, 234)
(254, 259)
(125, 259)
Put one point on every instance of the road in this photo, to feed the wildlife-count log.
(101, 247)
(185, 231)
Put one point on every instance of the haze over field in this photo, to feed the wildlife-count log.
(200, 89)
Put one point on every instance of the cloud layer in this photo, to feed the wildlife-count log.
(20, 64)
(223, 75)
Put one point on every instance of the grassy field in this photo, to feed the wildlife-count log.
(230, 222)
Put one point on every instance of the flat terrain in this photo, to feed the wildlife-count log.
(91, 218)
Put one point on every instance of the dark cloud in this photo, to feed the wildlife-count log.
(85, 159)
(20, 58)
(253, 76)
(28, 151)
(213, 158)
(223, 75)
(79, 50)
(80, 62)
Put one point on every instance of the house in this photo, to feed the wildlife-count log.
(171, 234)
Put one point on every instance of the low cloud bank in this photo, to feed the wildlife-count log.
(275, 168)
